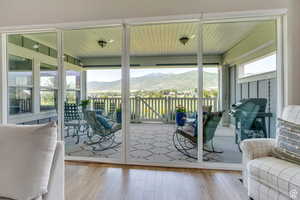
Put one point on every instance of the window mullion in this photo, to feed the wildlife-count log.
(36, 85)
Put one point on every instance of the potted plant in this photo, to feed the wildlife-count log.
(84, 104)
(119, 115)
(180, 115)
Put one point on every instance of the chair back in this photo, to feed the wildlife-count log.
(71, 112)
(210, 125)
(93, 122)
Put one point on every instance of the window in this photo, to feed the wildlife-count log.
(73, 86)
(260, 66)
(20, 85)
(48, 87)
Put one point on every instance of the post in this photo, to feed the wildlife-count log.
(137, 113)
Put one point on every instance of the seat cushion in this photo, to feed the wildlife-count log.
(275, 173)
(26, 155)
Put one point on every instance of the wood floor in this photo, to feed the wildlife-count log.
(90, 181)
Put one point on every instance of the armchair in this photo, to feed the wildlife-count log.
(266, 176)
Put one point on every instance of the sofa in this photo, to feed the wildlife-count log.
(56, 181)
(32, 163)
(265, 176)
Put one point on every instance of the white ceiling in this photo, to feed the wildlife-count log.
(155, 39)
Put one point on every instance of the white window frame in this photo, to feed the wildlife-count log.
(44, 88)
(74, 89)
(21, 86)
(241, 67)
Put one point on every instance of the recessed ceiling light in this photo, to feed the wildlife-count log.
(193, 36)
(110, 41)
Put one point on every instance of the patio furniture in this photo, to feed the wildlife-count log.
(185, 138)
(73, 120)
(103, 135)
(250, 119)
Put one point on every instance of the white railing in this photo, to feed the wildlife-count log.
(151, 109)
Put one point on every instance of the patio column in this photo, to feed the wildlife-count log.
(224, 94)
(83, 85)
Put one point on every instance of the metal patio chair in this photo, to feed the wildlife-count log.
(73, 120)
(185, 138)
(105, 138)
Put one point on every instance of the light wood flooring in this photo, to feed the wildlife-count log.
(91, 181)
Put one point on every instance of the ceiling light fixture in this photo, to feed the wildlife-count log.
(183, 40)
(103, 43)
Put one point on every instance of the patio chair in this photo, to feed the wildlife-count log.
(73, 120)
(102, 135)
(185, 138)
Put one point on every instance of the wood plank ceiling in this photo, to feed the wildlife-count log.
(150, 40)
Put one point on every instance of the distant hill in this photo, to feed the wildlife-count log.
(159, 81)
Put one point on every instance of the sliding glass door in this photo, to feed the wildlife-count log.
(182, 93)
(163, 93)
(92, 105)
(246, 89)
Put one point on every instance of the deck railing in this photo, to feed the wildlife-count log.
(151, 109)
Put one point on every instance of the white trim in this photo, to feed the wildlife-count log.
(258, 77)
(203, 165)
(200, 91)
(244, 15)
(125, 91)
(3, 79)
(83, 84)
(253, 51)
(27, 117)
(61, 84)
(280, 62)
(36, 85)
(207, 18)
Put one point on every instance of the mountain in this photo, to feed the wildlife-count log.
(159, 81)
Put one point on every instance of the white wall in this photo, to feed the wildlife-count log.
(16, 12)
(293, 72)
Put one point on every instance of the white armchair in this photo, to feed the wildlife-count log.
(267, 177)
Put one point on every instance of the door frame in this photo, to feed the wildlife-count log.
(204, 18)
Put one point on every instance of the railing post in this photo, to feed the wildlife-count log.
(168, 108)
(137, 109)
(215, 104)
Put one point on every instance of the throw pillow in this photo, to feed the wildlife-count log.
(288, 142)
(26, 154)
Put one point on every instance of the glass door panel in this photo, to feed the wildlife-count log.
(163, 93)
(92, 113)
(245, 54)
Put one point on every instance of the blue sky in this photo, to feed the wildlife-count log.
(115, 74)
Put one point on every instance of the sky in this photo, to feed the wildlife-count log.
(115, 74)
(266, 64)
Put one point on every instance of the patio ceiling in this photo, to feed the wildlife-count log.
(151, 40)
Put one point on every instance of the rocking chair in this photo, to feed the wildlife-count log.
(185, 138)
(102, 136)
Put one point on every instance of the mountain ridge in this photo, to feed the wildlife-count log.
(159, 81)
